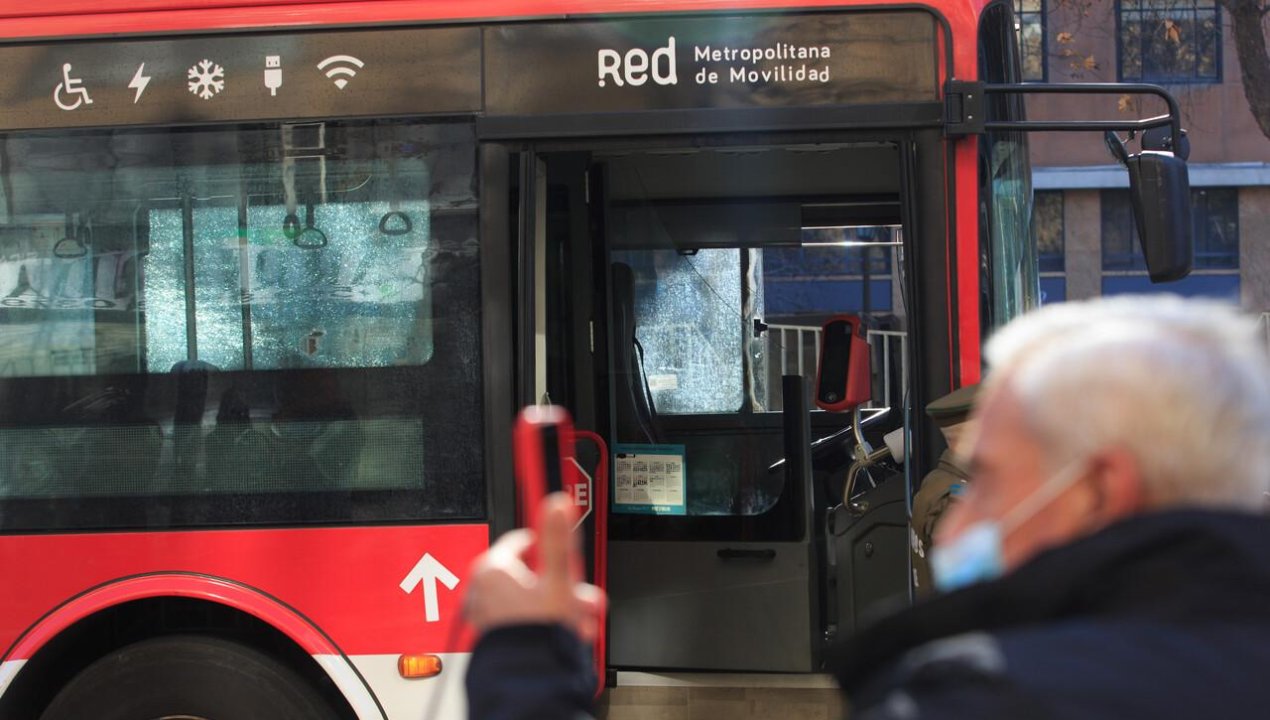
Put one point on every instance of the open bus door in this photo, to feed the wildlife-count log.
(673, 298)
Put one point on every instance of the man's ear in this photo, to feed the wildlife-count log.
(1117, 482)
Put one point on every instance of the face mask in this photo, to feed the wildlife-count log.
(978, 553)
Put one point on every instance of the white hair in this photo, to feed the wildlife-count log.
(1183, 385)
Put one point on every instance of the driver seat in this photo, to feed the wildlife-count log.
(636, 412)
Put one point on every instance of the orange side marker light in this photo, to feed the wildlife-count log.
(413, 667)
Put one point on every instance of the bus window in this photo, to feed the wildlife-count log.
(275, 314)
(699, 359)
(363, 303)
(687, 308)
(733, 267)
(836, 269)
(1015, 279)
(1005, 182)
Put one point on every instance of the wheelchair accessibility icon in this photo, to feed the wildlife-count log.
(70, 93)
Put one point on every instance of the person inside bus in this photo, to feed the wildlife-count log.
(942, 485)
(1107, 561)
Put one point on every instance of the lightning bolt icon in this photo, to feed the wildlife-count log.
(139, 83)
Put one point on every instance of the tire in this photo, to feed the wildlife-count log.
(188, 677)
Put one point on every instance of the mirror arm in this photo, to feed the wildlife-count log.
(965, 108)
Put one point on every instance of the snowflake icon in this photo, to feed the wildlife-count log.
(206, 79)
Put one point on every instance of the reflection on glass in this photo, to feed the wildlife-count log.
(1029, 23)
(1016, 284)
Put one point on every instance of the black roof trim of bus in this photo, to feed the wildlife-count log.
(687, 122)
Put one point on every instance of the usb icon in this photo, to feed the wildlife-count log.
(273, 73)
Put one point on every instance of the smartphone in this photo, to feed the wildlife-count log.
(543, 445)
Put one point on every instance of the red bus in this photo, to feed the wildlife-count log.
(275, 276)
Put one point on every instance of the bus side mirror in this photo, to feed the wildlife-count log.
(1160, 191)
(844, 371)
(1160, 194)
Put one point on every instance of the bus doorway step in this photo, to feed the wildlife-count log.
(737, 696)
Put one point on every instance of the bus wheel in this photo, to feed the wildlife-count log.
(188, 676)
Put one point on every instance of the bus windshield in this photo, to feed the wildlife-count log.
(269, 312)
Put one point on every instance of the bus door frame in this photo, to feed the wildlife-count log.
(927, 274)
(498, 342)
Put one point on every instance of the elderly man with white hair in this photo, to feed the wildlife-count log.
(1110, 559)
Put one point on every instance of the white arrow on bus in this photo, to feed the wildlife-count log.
(428, 571)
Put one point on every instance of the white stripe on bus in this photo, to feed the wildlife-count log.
(407, 699)
(8, 669)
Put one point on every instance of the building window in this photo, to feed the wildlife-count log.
(1048, 221)
(1175, 41)
(1029, 23)
(1215, 222)
(1214, 226)
(1049, 231)
(1120, 251)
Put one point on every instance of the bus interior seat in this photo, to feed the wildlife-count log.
(636, 412)
(192, 380)
(115, 447)
(317, 439)
(239, 457)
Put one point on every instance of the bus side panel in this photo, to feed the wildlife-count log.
(200, 587)
(75, 7)
(374, 593)
(966, 262)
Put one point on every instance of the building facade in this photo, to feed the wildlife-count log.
(1088, 244)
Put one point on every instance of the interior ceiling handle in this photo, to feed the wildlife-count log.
(291, 223)
(404, 226)
(309, 238)
(73, 244)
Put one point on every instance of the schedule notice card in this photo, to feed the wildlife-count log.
(649, 479)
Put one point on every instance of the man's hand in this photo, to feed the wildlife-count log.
(502, 590)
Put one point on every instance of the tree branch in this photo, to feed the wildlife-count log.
(1254, 60)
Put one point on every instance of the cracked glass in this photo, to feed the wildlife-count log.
(237, 325)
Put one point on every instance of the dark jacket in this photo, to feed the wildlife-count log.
(1162, 616)
(530, 672)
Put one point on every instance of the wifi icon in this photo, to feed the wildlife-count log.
(340, 66)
